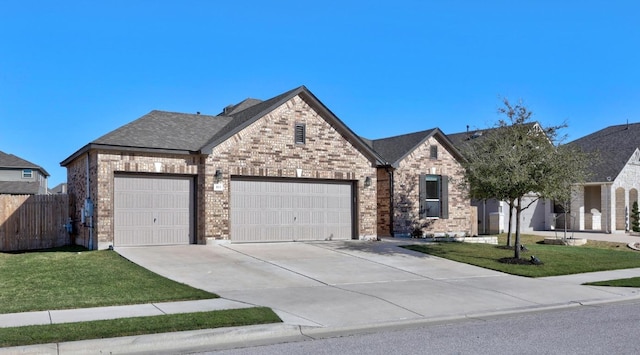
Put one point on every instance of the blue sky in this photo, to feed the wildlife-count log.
(71, 71)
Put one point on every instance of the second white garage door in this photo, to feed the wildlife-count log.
(276, 210)
(153, 210)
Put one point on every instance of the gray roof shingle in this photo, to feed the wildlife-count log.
(189, 133)
(394, 149)
(166, 130)
(14, 162)
(613, 147)
(19, 187)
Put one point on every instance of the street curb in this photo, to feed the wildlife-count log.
(170, 343)
(256, 335)
(320, 333)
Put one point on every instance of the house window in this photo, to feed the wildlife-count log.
(433, 152)
(300, 133)
(434, 196)
(27, 174)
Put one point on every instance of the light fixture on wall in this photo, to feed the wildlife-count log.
(367, 181)
(218, 175)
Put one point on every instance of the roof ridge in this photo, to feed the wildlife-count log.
(405, 134)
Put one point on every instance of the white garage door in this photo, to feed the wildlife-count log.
(276, 210)
(153, 210)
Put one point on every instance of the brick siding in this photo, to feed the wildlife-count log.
(265, 148)
(406, 193)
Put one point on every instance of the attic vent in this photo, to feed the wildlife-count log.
(433, 152)
(227, 109)
(300, 133)
(476, 135)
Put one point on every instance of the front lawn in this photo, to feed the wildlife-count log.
(56, 333)
(630, 282)
(557, 259)
(72, 277)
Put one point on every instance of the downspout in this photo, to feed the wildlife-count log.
(484, 216)
(391, 211)
(87, 202)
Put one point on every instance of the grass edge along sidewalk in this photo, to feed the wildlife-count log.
(556, 259)
(64, 332)
(72, 277)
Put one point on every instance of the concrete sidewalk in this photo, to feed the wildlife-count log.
(115, 312)
(325, 288)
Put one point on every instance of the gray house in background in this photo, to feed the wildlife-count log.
(21, 177)
(493, 215)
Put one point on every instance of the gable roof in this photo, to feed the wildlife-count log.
(394, 149)
(613, 147)
(179, 133)
(241, 119)
(13, 162)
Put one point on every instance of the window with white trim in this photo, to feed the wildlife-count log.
(27, 173)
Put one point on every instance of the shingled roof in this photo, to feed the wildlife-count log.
(180, 133)
(19, 187)
(13, 162)
(613, 147)
(394, 149)
(166, 130)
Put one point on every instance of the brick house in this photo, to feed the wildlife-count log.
(283, 169)
(418, 188)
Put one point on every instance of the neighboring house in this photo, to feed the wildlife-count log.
(418, 189)
(21, 177)
(604, 202)
(284, 169)
(61, 188)
(493, 215)
(278, 170)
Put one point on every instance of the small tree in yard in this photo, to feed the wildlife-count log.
(517, 158)
(635, 217)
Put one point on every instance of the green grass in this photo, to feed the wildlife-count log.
(73, 277)
(631, 282)
(557, 259)
(55, 333)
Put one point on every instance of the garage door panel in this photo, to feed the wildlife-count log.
(290, 210)
(153, 210)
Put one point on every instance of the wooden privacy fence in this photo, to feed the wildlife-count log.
(30, 222)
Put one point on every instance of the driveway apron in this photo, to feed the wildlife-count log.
(351, 283)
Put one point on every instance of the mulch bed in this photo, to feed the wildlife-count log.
(517, 261)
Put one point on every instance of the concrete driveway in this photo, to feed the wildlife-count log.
(355, 283)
